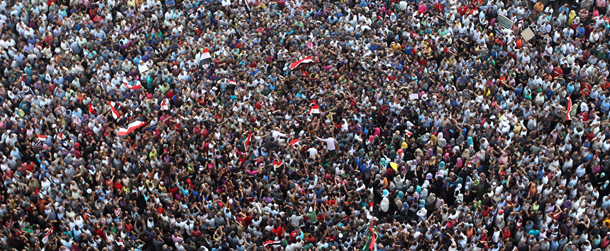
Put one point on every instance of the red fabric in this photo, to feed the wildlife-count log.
(278, 231)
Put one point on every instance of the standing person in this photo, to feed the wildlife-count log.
(331, 144)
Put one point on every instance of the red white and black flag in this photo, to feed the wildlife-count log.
(132, 126)
(42, 138)
(205, 57)
(296, 64)
(114, 107)
(294, 142)
(248, 8)
(61, 136)
(248, 141)
(277, 163)
(91, 110)
(45, 239)
(164, 105)
(135, 86)
(315, 109)
(569, 109)
(271, 243)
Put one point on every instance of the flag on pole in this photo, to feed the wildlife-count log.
(46, 236)
(248, 140)
(132, 126)
(569, 108)
(91, 110)
(114, 107)
(296, 64)
(315, 109)
(205, 57)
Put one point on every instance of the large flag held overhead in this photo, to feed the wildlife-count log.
(114, 107)
(132, 126)
(315, 109)
(296, 64)
(136, 86)
(271, 243)
(205, 57)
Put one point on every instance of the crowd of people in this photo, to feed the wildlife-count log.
(304, 125)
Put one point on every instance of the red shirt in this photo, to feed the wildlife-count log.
(293, 236)
(277, 231)
(118, 185)
(196, 233)
(557, 71)
(101, 233)
(128, 227)
(462, 10)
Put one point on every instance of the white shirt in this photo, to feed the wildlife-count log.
(330, 143)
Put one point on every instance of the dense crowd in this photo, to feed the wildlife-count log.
(304, 125)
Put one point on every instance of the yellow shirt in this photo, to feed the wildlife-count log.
(396, 46)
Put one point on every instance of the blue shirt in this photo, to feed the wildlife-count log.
(605, 106)
(570, 88)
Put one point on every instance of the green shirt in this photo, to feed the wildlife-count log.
(313, 216)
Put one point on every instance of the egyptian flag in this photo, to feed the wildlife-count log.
(296, 64)
(61, 136)
(91, 110)
(205, 57)
(42, 138)
(132, 126)
(408, 133)
(248, 8)
(232, 82)
(277, 163)
(137, 86)
(248, 140)
(46, 236)
(294, 142)
(569, 109)
(271, 243)
(115, 109)
(315, 109)
(164, 105)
